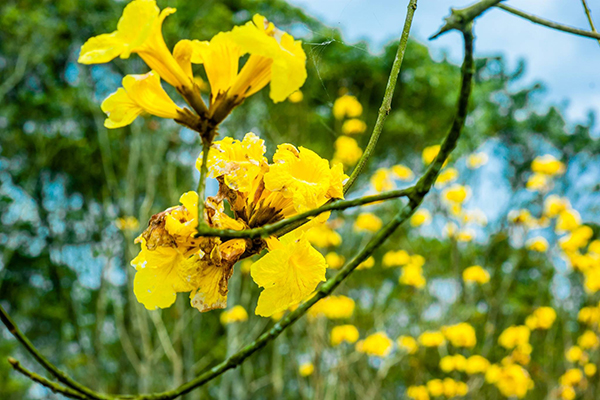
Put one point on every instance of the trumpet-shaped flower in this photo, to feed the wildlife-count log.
(289, 272)
(139, 94)
(139, 31)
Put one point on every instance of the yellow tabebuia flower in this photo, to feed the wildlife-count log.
(541, 318)
(589, 315)
(306, 369)
(554, 205)
(432, 339)
(456, 362)
(476, 274)
(412, 275)
(289, 272)
(347, 106)
(477, 160)
(456, 194)
(127, 223)
(430, 153)
(408, 344)
(347, 151)
(321, 235)
(381, 181)
(460, 335)
(353, 126)
(395, 258)
(577, 239)
(344, 333)
(235, 314)
(521, 217)
(419, 392)
(402, 172)
(420, 217)
(477, 364)
(537, 182)
(333, 307)
(567, 393)
(139, 31)
(448, 175)
(539, 244)
(139, 94)
(475, 216)
(512, 380)
(514, 336)
(590, 369)
(367, 222)
(296, 97)
(377, 344)
(588, 340)
(367, 264)
(547, 165)
(334, 260)
(568, 220)
(571, 377)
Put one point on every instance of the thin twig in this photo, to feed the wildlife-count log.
(386, 104)
(549, 24)
(588, 14)
(459, 18)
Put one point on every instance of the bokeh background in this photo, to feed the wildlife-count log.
(74, 195)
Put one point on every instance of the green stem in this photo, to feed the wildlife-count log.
(202, 225)
(549, 24)
(386, 104)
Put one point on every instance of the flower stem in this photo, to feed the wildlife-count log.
(202, 225)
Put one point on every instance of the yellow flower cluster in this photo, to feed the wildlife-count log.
(408, 344)
(235, 314)
(347, 150)
(321, 235)
(412, 271)
(127, 224)
(377, 344)
(447, 387)
(541, 318)
(306, 369)
(476, 274)
(383, 178)
(432, 339)
(344, 333)
(477, 160)
(512, 380)
(420, 217)
(460, 335)
(514, 336)
(456, 362)
(333, 307)
(544, 169)
(367, 222)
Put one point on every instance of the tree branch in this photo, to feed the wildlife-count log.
(386, 104)
(459, 18)
(549, 24)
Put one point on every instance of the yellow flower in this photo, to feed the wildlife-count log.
(492, 375)
(275, 58)
(344, 333)
(245, 266)
(289, 272)
(127, 224)
(512, 380)
(321, 235)
(138, 31)
(449, 387)
(514, 336)
(435, 387)
(539, 244)
(377, 344)
(432, 339)
(402, 172)
(460, 335)
(420, 217)
(334, 260)
(466, 235)
(395, 258)
(296, 97)
(367, 264)
(477, 160)
(571, 377)
(139, 94)
(577, 239)
(574, 354)
(448, 175)
(304, 177)
(594, 247)
(417, 392)
(554, 205)
(521, 217)
(347, 150)
(588, 340)
(541, 318)
(476, 274)
(456, 362)
(347, 106)
(381, 181)
(367, 222)
(567, 221)
(456, 194)
(567, 393)
(408, 344)
(306, 369)
(547, 165)
(537, 182)
(353, 126)
(477, 364)
(430, 153)
(333, 307)
(235, 314)
(589, 315)
(412, 276)
(475, 216)
(590, 369)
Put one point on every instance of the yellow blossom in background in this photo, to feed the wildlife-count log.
(139, 94)
(590, 369)
(344, 333)
(403, 173)
(412, 275)
(245, 266)
(475, 216)
(492, 375)
(347, 151)
(466, 235)
(321, 235)
(476, 274)
(289, 272)
(460, 335)
(456, 194)
(367, 222)
(567, 393)
(417, 260)
(450, 229)
(577, 239)
(447, 175)
(430, 153)
(395, 258)
(408, 344)
(571, 377)
(367, 264)
(334, 260)
(537, 182)
(589, 315)
(381, 181)
(139, 31)
(539, 244)
(574, 354)
(541, 318)
(477, 160)
(432, 339)
(235, 314)
(547, 165)
(127, 224)
(456, 362)
(377, 344)
(353, 126)
(588, 340)
(477, 364)
(435, 387)
(554, 205)
(567, 221)
(514, 336)
(521, 217)
(417, 393)
(420, 217)
(594, 247)
(333, 307)
(296, 97)
(512, 381)
(347, 106)
(306, 369)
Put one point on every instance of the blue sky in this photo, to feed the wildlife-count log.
(567, 64)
